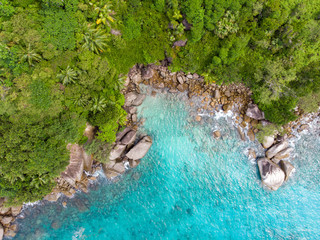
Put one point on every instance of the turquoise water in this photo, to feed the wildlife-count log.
(189, 186)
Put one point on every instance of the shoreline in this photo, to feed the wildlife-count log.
(214, 98)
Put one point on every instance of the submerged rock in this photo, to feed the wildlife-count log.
(287, 167)
(254, 112)
(217, 134)
(276, 148)
(271, 174)
(141, 149)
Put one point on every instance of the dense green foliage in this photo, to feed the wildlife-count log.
(61, 63)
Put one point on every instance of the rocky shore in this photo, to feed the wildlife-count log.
(275, 168)
(130, 147)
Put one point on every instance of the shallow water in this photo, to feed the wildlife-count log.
(189, 186)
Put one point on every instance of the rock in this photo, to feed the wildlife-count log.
(10, 233)
(195, 76)
(75, 168)
(130, 97)
(304, 126)
(6, 220)
(87, 161)
(217, 134)
(133, 110)
(246, 119)
(129, 138)
(134, 117)
(4, 210)
(117, 151)
(254, 112)
(180, 88)
(267, 141)
(64, 204)
(252, 153)
(161, 85)
(147, 73)
(227, 93)
(227, 107)
(282, 155)
(180, 79)
(198, 118)
(180, 43)
(224, 100)
(119, 167)
(276, 148)
(189, 76)
(216, 94)
(1, 232)
(241, 134)
(134, 163)
(115, 32)
(52, 197)
(110, 174)
(89, 132)
(141, 149)
(122, 133)
(251, 135)
(271, 174)
(55, 225)
(135, 75)
(173, 90)
(139, 100)
(186, 24)
(16, 210)
(287, 167)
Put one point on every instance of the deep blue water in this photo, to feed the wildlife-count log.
(189, 186)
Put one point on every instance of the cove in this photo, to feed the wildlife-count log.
(189, 186)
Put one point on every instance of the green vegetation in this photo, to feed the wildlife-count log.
(61, 62)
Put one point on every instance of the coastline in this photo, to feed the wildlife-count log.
(234, 98)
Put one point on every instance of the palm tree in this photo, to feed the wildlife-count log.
(68, 75)
(104, 12)
(29, 55)
(95, 40)
(98, 104)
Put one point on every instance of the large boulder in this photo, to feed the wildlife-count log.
(1, 232)
(135, 75)
(147, 72)
(129, 138)
(276, 149)
(282, 155)
(117, 151)
(87, 161)
(139, 100)
(254, 112)
(287, 167)
(130, 97)
(74, 170)
(267, 141)
(122, 133)
(141, 149)
(6, 220)
(241, 134)
(16, 210)
(271, 174)
(52, 197)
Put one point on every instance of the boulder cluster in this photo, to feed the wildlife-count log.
(7, 217)
(127, 151)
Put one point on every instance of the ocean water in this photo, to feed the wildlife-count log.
(189, 186)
